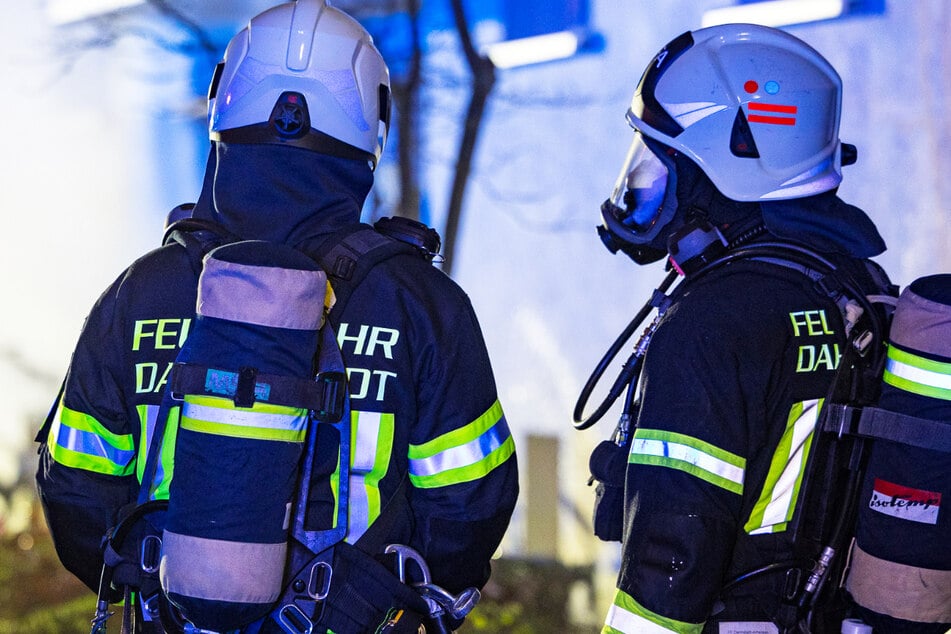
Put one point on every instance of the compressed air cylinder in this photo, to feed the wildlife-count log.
(901, 564)
(237, 452)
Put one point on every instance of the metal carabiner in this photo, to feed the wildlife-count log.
(403, 554)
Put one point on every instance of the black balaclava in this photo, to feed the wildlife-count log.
(822, 222)
(699, 200)
(281, 193)
(204, 206)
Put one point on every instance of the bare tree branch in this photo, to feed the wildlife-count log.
(483, 79)
(406, 94)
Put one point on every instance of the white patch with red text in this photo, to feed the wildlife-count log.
(905, 503)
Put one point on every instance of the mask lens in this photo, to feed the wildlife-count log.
(641, 185)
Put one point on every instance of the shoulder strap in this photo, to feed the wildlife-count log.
(350, 253)
(198, 237)
(864, 287)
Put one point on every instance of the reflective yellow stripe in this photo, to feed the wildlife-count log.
(688, 454)
(780, 494)
(918, 375)
(165, 464)
(262, 421)
(464, 454)
(80, 441)
(371, 449)
(627, 616)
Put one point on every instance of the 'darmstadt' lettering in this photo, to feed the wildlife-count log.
(815, 358)
(148, 378)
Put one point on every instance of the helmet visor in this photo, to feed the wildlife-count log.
(640, 187)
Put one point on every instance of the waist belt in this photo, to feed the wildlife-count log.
(346, 591)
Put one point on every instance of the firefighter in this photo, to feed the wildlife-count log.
(735, 146)
(299, 112)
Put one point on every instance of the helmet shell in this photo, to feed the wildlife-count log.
(309, 49)
(754, 107)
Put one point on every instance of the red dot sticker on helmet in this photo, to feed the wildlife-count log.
(751, 86)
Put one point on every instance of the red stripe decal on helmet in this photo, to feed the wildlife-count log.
(775, 109)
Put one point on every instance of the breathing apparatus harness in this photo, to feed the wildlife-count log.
(695, 250)
(326, 574)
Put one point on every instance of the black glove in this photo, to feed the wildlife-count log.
(608, 464)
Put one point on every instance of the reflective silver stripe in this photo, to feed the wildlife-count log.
(372, 434)
(269, 296)
(463, 455)
(243, 418)
(921, 376)
(149, 414)
(365, 442)
(785, 490)
(366, 438)
(629, 623)
(627, 616)
(358, 508)
(689, 455)
(220, 570)
(89, 443)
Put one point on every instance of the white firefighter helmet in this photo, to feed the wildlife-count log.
(755, 108)
(305, 74)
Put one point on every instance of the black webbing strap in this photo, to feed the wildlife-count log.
(349, 254)
(825, 283)
(323, 395)
(882, 424)
(198, 237)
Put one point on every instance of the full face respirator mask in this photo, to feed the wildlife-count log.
(642, 204)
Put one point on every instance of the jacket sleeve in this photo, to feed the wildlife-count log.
(87, 458)
(462, 465)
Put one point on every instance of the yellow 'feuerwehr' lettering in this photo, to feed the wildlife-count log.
(167, 334)
(386, 338)
(368, 340)
(813, 321)
(145, 377)
(139, 333)
(359, 340)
